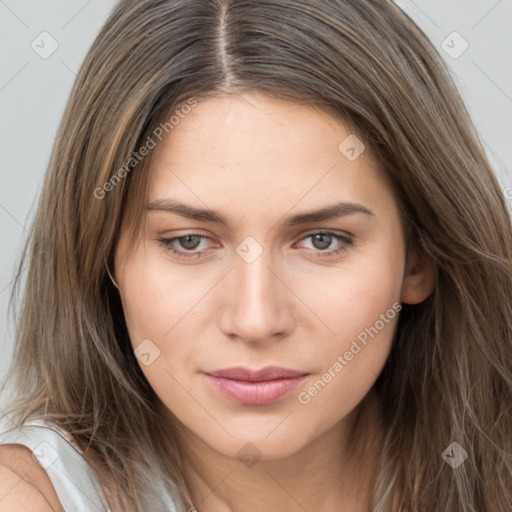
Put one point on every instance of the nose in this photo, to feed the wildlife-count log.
(258, 306)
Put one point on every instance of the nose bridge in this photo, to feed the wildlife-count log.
(257, 307)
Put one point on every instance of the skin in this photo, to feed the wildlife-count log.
(256, 161)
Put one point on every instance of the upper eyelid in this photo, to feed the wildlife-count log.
(306, 232)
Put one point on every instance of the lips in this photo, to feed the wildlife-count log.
(255, 387)
(245, 374)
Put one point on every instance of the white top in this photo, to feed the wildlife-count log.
(73, 479)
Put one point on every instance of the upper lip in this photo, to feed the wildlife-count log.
(246, 374)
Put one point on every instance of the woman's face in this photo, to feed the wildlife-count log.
(290, 259)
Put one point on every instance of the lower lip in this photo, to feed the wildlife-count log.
(255, 393)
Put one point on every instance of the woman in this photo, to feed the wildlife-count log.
(259, 276)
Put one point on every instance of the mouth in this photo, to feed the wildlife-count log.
(255, 387)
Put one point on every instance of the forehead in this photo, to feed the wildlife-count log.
(257, 150)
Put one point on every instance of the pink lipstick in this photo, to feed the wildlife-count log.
(255, 387)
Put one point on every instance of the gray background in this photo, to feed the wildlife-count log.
(34, 90)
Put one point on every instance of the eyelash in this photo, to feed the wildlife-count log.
(167, 244)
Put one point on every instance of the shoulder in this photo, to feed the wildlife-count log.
(24, 484)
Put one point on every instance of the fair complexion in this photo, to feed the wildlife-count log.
(286, 298)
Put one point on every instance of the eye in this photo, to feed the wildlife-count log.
(188, 242)
(186, 246)
(322, 240)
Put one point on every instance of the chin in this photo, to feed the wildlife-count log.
(254, 446)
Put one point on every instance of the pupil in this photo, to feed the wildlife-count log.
(186, 244)
(323, 243)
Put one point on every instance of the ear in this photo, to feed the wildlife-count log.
(419, 278)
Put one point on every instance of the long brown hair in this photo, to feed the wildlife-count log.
(449, 375)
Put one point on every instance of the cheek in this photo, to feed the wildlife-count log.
(357, 293)
(156, 300)
(157, 307)
(363, 323)
(164, 313)
(361, 307)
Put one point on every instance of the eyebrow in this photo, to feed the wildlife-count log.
(206, 215)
